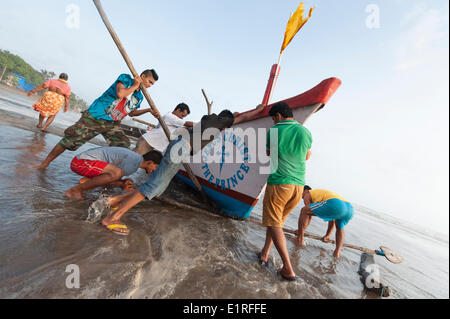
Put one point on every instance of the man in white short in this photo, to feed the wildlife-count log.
(156, 138)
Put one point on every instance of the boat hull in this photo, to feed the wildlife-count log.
(233, 169)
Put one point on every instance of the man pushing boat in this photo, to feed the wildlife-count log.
(123, 97)
(156, 138)
(328, 206)
(188, 142)
(285, 185)
(107, 165)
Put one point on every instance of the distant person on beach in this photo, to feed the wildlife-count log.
(178, 151)
(330, 207)
(156, 138)
(123, 98)
(284, 186)
(107, 165)
(51, 102)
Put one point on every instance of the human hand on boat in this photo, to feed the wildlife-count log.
(260, 107)
(29, 93)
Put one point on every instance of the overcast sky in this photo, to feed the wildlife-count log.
(382, 140)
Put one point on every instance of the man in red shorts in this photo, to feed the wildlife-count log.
(107, 165)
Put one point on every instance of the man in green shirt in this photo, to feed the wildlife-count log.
(285, 185)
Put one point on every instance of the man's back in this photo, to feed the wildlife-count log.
(294, 141)
(121, 157)
(157, 139)
(321, 195)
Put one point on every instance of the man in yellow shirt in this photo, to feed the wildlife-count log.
(330, 207)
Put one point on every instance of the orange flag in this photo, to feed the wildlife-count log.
(295, 23)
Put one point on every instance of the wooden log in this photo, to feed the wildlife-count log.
(293, 232)
(144, 122)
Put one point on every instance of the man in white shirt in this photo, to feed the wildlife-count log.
(156, 138)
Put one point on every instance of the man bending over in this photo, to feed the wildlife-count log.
(178, 151)
(328, 206)
(107, 165)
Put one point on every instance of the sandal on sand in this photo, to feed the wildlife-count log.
(295, 278)
(113, 228)
(261, 262)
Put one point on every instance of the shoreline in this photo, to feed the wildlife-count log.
(26, 123)
(13, 89)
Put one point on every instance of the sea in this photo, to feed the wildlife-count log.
(54, 247)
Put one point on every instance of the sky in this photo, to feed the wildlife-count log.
(382, 139)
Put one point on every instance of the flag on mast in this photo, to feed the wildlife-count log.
(295, 23)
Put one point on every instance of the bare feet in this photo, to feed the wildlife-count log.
(337, 253)
(40, 166)
(326, 239)
(298, 242)
(74, 193)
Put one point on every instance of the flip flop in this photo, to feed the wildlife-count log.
(112, 228)
(261, 262)
(295, 278)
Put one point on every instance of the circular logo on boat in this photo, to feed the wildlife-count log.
(225, 160)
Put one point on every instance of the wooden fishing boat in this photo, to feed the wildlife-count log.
(228, 169)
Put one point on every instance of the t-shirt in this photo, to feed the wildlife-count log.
(214, 123)
(157, 139)
(294, 141)
(109, 107)
(121, 157)
(60, 84)
(321, 195)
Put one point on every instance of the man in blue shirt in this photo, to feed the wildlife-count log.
(122, 98)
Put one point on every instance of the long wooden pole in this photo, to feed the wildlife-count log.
(366, 250)
(144, 122)
(143, 89)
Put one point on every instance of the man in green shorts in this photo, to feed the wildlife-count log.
(122, 98)
(285, 185)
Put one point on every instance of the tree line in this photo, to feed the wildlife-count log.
(15, 64)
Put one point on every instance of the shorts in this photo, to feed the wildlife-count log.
(278, 203)
(333, 209)
(88, 127)
(87, 168)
